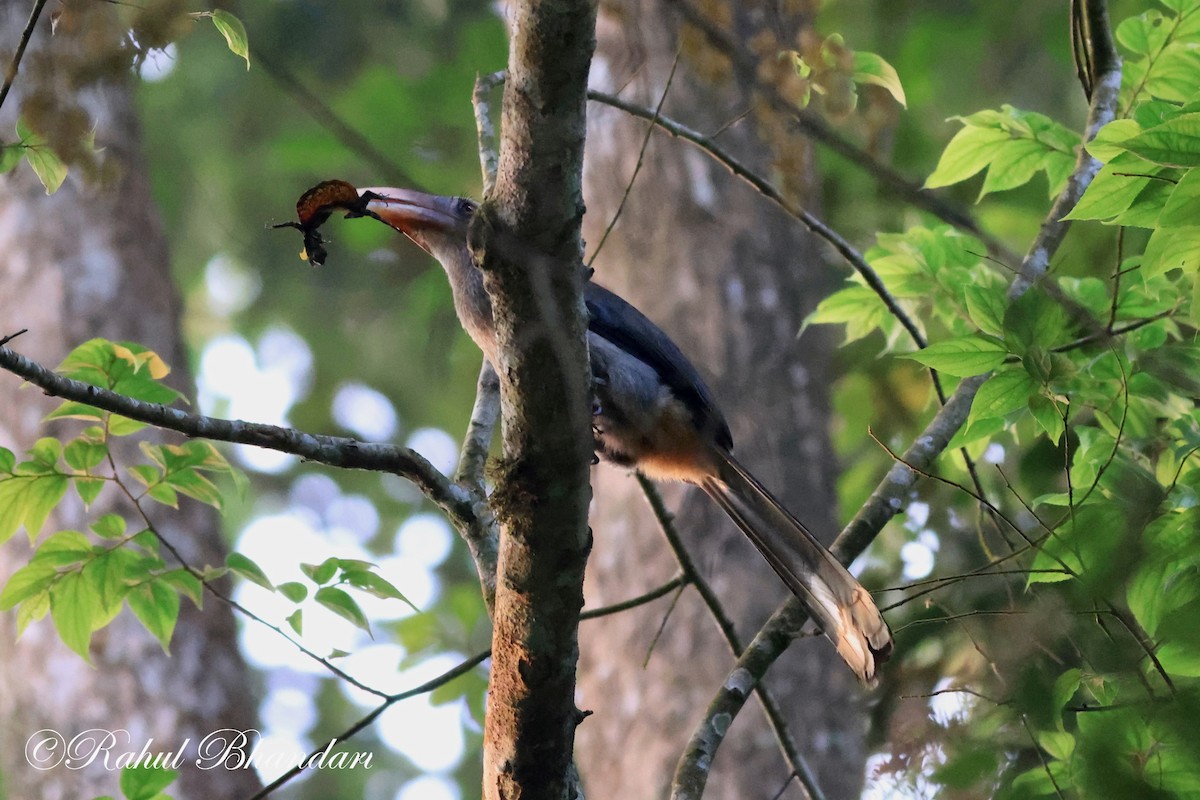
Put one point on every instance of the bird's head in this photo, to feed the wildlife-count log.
(438, 225)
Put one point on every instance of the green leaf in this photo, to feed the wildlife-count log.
(1048, 416)
(123, 426)
(10, 156)
(249, 570)
(1171, 248)
(46, 164)
(1014, 165)
(69, 409)
(44, 494)
(109, 526)
(26, 582)
(1144, 34)
(964, 356)
(376, 584)
(1115, 187)
(156, 605)
(1033, 320)
(187, 584)
(7, 460)
(343, 605)
(856, 306)
(164, 494)
(321, 573)
(1183, 205)
(32, 610)
(986, 306)
(145, 782)
(1008, 390)
(73, 606)
(296, 621)
(1109, 140)
(84, 455)
(107, 574)
(293, 590)
(871, 68)
(234, 32)
(1057, 743)
(88, 489)
(1175, 143)
(971, 150)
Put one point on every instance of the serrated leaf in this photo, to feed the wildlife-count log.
(1109, 140)
(1115, 187)
(43, 494)
(32, 610)
(342, 604)
(1057, 743)
(123, 426)
(1183, 206)
(1006, 391)
(49, 168)
(1171, 248)
(871, 68)
(73, 606)
(83, 455)
(145, 782)
(234, 32)
(25, 583)
(107, 573)
(293, 590)
(1175, 143)
(1048, 416)
(162, 493)
(70, 409)
(969, 151)
(249, 570)
(187, 584)
(109, 526)
(964, 356)
(156, 605)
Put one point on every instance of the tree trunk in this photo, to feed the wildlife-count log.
(91, 261)
(730, 278)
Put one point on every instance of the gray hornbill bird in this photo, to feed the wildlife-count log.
(653, 413)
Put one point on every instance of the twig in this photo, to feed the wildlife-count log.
(678, 582)
(327, 118)
(483, 539)
(779, 727)
(612, 223)
(764, 187)
(223, 597)
(26, 35)
(813, 127)
(428, 686)
(489, 160)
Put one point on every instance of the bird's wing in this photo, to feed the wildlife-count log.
(620, 323)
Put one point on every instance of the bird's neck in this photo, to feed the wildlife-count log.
(471, 300)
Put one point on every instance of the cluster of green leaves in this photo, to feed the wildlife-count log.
(1013, 146)
(84, 581)
(1102, 376)
(834, 71)
(330, 579)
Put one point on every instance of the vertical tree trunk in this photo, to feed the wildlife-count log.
(91, 261)
(730, 278)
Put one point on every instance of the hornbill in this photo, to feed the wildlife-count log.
(653, 412)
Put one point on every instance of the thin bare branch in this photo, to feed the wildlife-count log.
(11, 74)
(489, 159)
(779, 727)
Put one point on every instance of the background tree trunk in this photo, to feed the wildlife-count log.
(91, 261)
(730, 278)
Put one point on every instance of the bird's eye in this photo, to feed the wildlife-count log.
(465, 207)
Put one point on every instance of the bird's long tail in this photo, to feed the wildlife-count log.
(834, 599)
